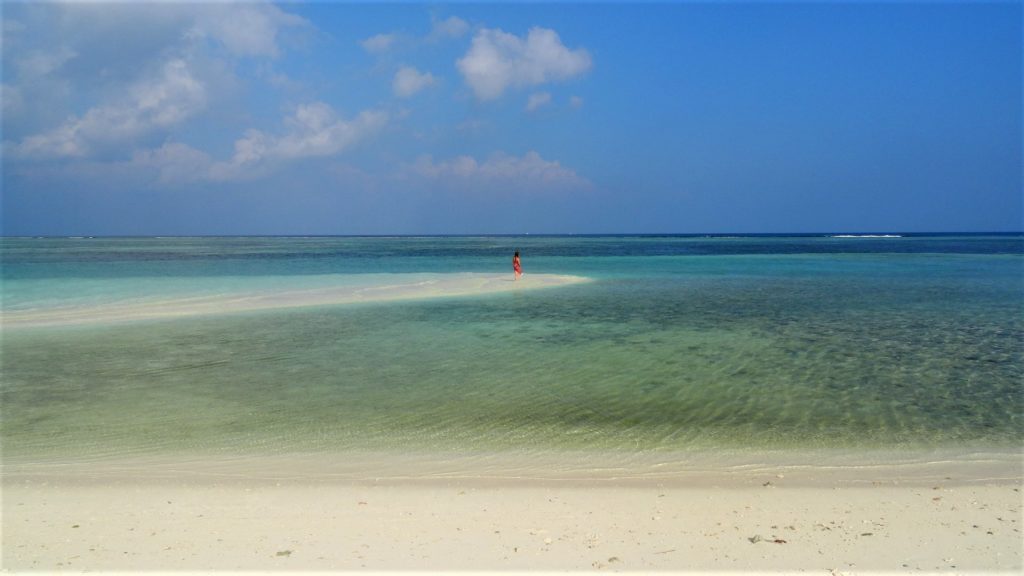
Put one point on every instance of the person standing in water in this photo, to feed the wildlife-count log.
(516, 266)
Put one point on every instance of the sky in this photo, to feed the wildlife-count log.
(480, 118)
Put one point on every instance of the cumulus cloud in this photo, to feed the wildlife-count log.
(498, 60)
(529, 172)
(10, 27)
(93, 79)
(135, 31)
(537, 101)
(409, 81)
(245, 29)
(10, 98)
(316, 130)
(37, 63)
(313, 130)
(172, 95)
(175, 163)
(451, 27)
(379, 43)
(447, 29)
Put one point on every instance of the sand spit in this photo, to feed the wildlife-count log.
(396, 287)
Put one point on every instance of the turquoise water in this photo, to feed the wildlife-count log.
(678, 343)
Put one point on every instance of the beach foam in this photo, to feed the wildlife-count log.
(385, 288)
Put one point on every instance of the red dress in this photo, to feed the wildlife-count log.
(516, 266)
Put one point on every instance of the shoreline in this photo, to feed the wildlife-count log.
(934, 515)
(808, 468)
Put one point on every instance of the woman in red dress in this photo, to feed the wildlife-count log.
(516, 266)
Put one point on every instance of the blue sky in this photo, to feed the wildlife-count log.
(340, 118)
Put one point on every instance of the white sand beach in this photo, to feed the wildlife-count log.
(957, 516)
(394, 288)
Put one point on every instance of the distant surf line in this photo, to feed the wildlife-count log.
(866, 236)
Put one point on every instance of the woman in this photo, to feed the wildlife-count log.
(516, 266)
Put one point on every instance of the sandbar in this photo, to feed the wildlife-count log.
(380, 288)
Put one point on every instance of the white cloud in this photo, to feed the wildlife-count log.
(409, 81)
(245, 29)
(61, 141)
(379, 43)
(140, 31)
(10, 99)
(498, 60)
(529, 172)
(314, 130)
(176, 163)
(94, 78)
(39, 63)
(171, 96)
(576, 102)
(537, 100)
(10, 27)
(451, 27)
(175, 95)
(472, 126)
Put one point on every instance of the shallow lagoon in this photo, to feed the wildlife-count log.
(676, 344)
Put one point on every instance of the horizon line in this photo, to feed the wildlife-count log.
(866, 233)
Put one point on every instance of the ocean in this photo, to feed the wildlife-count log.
(674, 344)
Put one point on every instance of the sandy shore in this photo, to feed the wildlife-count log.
(959, 516)
(394, 287)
